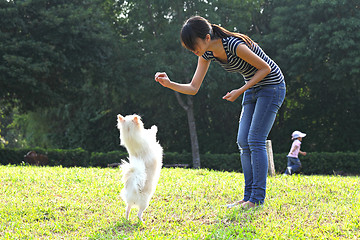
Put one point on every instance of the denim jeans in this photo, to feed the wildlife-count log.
(294, 164)
(259, 108)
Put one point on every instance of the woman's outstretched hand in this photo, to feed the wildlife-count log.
(162, 78)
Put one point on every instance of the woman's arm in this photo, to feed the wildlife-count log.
(263, 70)
(188, 88)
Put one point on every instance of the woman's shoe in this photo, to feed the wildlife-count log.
(248, 205)
(235, 204)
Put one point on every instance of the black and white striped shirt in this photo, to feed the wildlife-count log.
(236, 64)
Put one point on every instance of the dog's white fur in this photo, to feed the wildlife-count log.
(141, 174)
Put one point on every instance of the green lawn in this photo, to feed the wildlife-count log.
(84, 203)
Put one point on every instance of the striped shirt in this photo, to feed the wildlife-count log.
(236, 64)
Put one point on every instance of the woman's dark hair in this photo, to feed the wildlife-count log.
(198, 27)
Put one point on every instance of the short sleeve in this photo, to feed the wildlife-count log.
(205, 56)
(297, 143)
(233, 43)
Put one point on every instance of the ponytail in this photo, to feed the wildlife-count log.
(220, 32)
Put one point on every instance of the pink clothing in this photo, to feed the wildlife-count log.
(295, 148)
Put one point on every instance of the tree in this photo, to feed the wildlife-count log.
(57, 66)
(49, 49)
(157, 34)
(93, 60)
(127, 84)
(315, 43)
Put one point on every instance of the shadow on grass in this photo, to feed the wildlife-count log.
(120, 230)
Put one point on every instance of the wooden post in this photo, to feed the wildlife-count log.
(269, 151)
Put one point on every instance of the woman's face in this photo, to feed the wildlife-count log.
(201, 46)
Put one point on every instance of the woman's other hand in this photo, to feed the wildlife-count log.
(233, 95)
(162, 78)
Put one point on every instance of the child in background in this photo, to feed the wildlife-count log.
(294, 163)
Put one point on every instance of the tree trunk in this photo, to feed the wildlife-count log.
(189, 108)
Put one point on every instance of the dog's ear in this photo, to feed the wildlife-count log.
(120, 118)
(154, 129)
(136, 120)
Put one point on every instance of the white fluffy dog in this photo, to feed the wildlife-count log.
(141, 174)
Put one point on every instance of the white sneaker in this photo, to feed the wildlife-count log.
(289, 170)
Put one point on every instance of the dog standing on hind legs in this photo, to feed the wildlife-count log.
(141, 174)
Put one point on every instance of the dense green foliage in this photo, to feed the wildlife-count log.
(84, 203)
(52, 50)
(67, 69)
(57, 67)
(316, 45)
(314, 163)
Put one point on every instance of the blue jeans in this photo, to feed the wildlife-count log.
(294, 164)
(260, 106)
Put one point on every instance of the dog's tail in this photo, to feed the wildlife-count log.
(133, 176)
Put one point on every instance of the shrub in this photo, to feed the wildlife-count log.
(66, 158)
(222, 162)
(16, 155)
(171, 158)
(342, 163)
(11, 156)
(99, 159)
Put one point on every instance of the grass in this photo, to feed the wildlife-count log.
(84, 203)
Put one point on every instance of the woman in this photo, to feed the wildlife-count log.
(264, 92)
